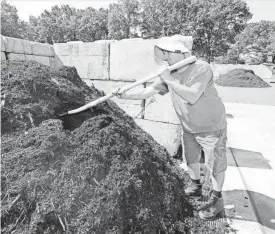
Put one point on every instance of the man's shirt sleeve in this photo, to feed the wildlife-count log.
(160, 86)
(201, 78)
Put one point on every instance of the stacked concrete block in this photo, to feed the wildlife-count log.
(41, 49)
(3, 46)
(167, 135)
(3, 49)
(13, 56)
(132, 59)
(42, 59)
(18, 49)
(160, 108)
(90, 59)
(18, 46)
(3, 56)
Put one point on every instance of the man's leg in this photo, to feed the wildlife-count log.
(217, 181)
(192, 154)
(194, 170)
(214, 147)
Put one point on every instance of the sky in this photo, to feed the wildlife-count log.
(261, 9)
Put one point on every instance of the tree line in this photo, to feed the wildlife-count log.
(217, 26)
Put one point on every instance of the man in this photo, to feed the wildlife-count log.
(201, 113)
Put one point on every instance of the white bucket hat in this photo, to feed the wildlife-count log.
(176, 44)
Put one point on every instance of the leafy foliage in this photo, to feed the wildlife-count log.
(163, 18)
(11, 25)
(213, 24)
(124, 19)
(58, 25)
(65, 23)
(260, 35)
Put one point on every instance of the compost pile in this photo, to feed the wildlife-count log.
(94, 172)
(241, 78)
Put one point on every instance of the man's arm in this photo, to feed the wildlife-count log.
(191, 92)
(139, 94)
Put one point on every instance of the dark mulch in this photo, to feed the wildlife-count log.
(241, 78)
(94, 172)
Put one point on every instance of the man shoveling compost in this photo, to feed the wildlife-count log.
(201, 113)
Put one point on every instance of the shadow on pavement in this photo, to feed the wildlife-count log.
(246, 158)
(263, 207)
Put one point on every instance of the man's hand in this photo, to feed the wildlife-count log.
(117, 94)
(166, 75)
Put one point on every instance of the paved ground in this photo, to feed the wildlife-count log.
(262, 96)
(250, 180)
(249, 189)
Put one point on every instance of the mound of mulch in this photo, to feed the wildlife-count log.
(241, 78)
(94, 172)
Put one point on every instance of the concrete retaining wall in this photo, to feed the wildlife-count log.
(132, 59)
(92, 59)
(18, 49)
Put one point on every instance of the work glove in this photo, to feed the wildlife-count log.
(117, 94)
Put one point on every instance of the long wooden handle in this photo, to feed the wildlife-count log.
(128, 87)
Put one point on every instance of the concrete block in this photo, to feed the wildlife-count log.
(12, 56)
(42, 49)
(15, 45)
(132, 59)
(52, 62)
(29, 57)
(3, 56)
(42, 59)
(167, 135)
(3, 45)
(57, 61)
(62, 49)
(160, 108)
(131, 107)
(82, 49)
(93, 67)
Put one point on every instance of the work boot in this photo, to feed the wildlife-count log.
(194, 190)
(212, 208)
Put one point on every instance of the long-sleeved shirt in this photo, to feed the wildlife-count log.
(195, 98)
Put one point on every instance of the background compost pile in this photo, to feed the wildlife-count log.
(241, 78)
(95, 172)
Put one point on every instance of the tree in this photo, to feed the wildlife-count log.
(163, 18)
(271, 47)
(93, 24)
(123, 19)
(11, 25)
(65, 23)
(58, 25)
(213, 23)
(260, 35)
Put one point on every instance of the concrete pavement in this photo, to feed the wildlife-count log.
(251, 144)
